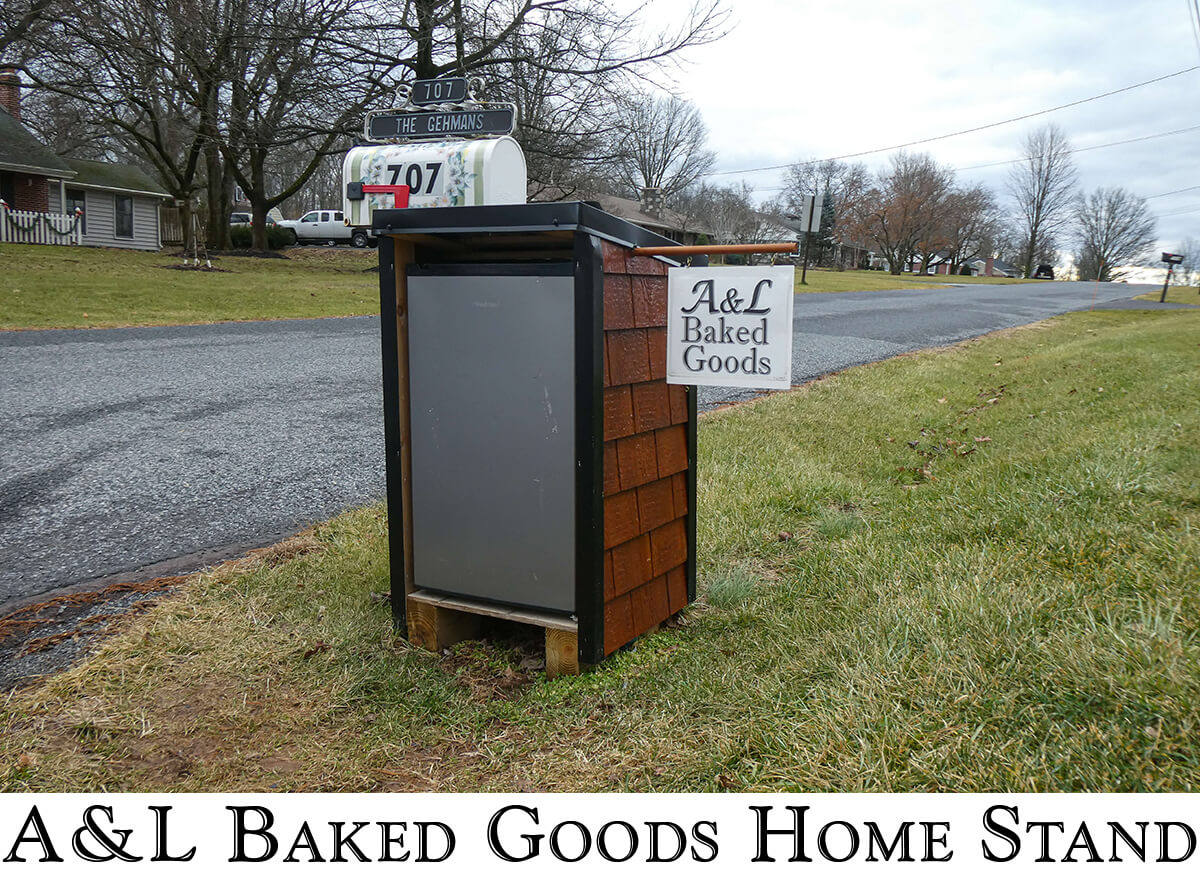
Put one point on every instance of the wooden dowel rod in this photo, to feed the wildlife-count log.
(763, 248)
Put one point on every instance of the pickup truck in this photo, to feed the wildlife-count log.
(326, 226)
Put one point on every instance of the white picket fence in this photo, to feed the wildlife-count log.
(38, 228)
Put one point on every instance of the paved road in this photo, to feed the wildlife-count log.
(834, 331)
(149, 451)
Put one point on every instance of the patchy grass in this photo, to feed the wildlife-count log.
(1185, 294)
(59, 286)
(976, 569)
(823, 281)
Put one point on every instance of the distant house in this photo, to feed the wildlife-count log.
(993, 266)
(650, 212)
(119, 204)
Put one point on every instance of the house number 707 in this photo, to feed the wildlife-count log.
(414, 175)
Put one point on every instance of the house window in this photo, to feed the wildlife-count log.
(76, 200)
(8, 189)
(124, 222)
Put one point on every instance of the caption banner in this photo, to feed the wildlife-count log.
(599, 831)
(730, 326)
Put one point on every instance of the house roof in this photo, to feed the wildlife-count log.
(20, 151)
(113, 177)
(631, 210)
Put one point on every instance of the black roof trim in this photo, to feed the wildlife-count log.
(518, 218)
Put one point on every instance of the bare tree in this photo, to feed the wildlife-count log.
(725, 213)
(1188, 272)
(1043, 187)
(148, 74)
(970, 220)
(1113, 229)
(659, 142)
(900, 213)
(20, 19)
(208, 90)
(842, 185)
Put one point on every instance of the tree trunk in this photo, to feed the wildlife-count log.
(425, 10)
(258, 200)
(185, 222)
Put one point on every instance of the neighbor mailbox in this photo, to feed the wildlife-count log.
(540, 469)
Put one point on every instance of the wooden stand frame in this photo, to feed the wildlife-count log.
(616, 600)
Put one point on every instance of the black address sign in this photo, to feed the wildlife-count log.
(439, 125)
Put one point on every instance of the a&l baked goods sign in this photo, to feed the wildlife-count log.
(730, 326)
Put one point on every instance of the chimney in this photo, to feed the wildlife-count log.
(10, 92)
(652, 202)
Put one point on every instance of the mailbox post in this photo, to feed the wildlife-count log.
(539, 467)
(1171, 260)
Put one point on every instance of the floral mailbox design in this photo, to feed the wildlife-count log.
(455, 173)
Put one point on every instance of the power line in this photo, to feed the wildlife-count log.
(1177, 191)
(1181, 212)
(1072, 151)
(1088, 147)
(959, 132)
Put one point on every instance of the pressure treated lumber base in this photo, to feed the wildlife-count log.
(436, 622)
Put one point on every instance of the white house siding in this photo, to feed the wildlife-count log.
(101, 212)
(101, 216)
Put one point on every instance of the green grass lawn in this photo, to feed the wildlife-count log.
(59, 286)
(822, 281)
(975, 569)
(1175, 294)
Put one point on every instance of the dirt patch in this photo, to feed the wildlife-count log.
(501, 665)
(48, 636)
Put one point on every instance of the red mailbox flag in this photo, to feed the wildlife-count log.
(399, 192)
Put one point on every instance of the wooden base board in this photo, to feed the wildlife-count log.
(436, 622)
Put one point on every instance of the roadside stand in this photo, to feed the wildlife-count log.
(541, 463)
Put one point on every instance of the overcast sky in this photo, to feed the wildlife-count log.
(797, 79)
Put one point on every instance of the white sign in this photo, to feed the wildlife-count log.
(730, 326)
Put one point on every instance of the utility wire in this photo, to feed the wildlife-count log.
(1181, 212)
(1088, 147)
(959, 132)
(1176, 191)
(1072, 151)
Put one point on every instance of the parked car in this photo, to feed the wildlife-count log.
(326, 226)
(238, 218)
(1044, 271)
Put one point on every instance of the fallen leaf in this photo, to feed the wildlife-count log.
(316, 649)
(942, 400)
(725, 782)
(983, 438)
(784, 536)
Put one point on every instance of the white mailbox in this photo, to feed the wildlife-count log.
(477, 172)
